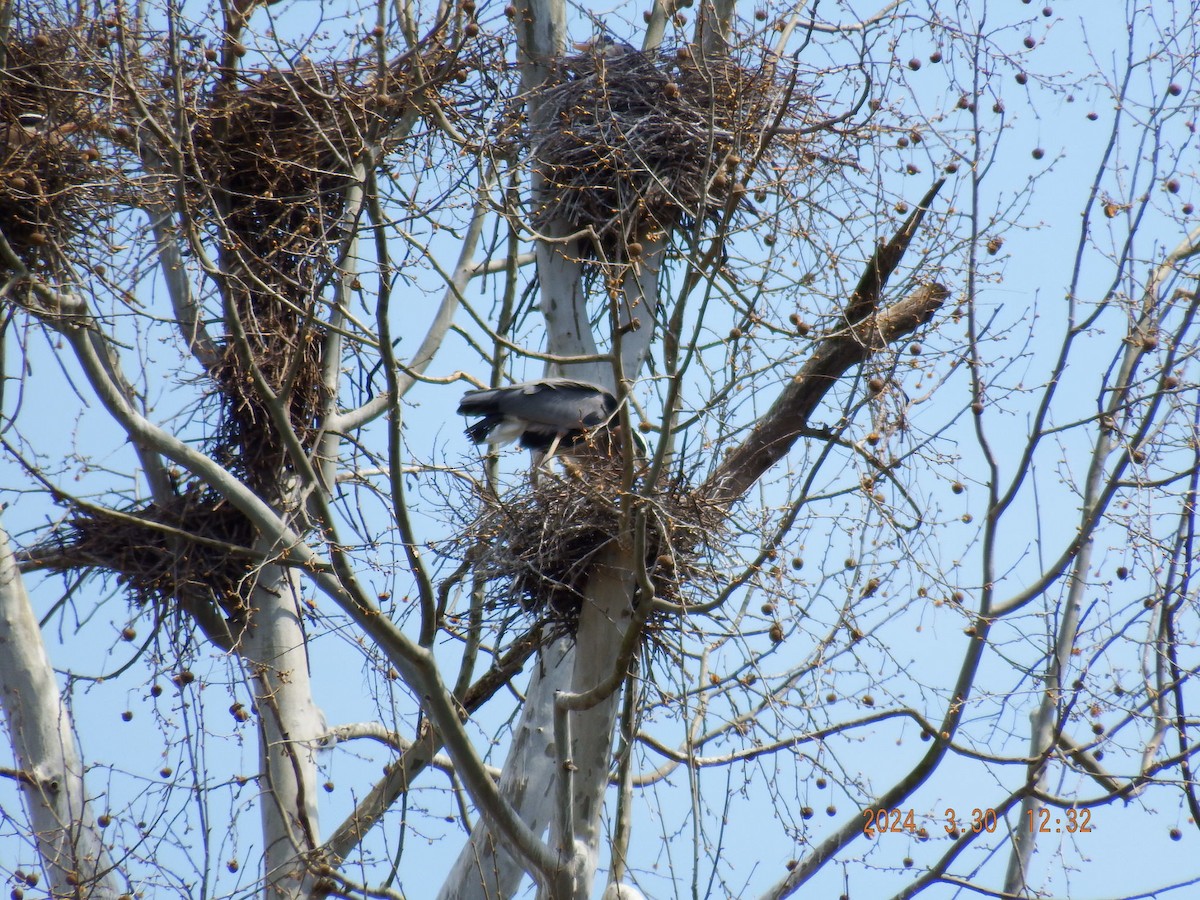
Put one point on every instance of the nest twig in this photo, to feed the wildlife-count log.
(49, 172)
(179, 557)
(274, 155)
(632, 143)
(537, 548)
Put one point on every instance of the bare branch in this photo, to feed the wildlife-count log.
(786, 420)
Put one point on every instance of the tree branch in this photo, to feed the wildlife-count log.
(775, 433)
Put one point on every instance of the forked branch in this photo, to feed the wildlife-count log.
(869, 329)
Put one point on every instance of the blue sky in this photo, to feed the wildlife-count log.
(1038, 153)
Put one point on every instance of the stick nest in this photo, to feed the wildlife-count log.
(275, 150)
(633, 143)
(176, 558)
(275, 153)
(49, 174)
(537, 548)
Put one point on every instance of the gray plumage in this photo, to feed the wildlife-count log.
(604, 46)
(541, 415)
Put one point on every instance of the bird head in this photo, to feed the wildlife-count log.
(604, 45)
(31, 121)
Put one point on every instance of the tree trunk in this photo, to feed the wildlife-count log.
(50, 770)
(603, 621)
(290, 724)
(484, 869)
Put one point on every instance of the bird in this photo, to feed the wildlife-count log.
(21, 133)
(32, 130)
(548, 415)
(604, 46)
(31, 121)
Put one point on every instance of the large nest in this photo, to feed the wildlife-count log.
(48, 173)
(537, 548)
(182, 557)
(275, 153)
(287, 351)
(275, 149)
(631, 143)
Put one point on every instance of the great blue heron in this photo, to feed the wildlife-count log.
(33, 129)
(549, 415)
(604, 46)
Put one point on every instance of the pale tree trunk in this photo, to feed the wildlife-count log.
(272, 647)
(564, 304)
(274, 653)
(532, 771)
(485, 870)
(49, 768)
(604, 620)
(607, 598)
(1117, 420)
(639, 307)
(714, 20)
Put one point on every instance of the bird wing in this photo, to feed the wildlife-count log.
(562, 404)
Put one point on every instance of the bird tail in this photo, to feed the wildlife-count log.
(478, 432)
(479, 403)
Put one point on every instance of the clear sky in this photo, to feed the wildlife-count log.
(1041, 81)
